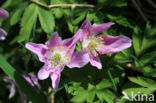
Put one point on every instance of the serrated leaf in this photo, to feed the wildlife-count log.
(105, 95)
(78, 19)
(16, 16)
(46, 20)
(80, 96)
(131, 91)
(148, 57)
(28, 20)
(145, 82)
(136, 43)
(120, 20)
(91, 93)
(104, 83)
(149, 71)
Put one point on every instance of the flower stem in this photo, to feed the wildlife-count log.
(52, 97)
(63, 5)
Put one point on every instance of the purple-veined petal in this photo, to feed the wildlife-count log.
(3, 13)
(12, 90)
(115, 44)
(98, 28)
(85, 27)
(44, 72)
(39, 49)
(95, 61)
(55, 40)
(71, 42)
(82, 32)
(55, 77)
(3, 34)
(79, 59)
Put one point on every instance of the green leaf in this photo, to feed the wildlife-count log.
(147, 44)
(78, 46)
(136, 40)
(149, 71)
(80, 97)
(28, 90)
(120, 20)
(105, 95)
(16, 16)
(104, 83)
(91, 93)
(79, 19)
(148, 57)
(28, 22)
(58, 12)
(46, 19)
(145, 82)
(129, 91)
(113, 81)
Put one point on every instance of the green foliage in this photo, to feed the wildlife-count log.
(47, 20)
(28, 22)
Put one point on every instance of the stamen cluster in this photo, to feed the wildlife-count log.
(58, 56)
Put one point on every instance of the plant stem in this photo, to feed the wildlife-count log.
(63, 5)
(52, 97)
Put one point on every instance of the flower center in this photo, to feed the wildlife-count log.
(58, 56)
(93, 44)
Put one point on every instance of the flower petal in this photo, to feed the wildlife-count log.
(35, 81)
(3, 34)
(12, 90)
(98, 28)
(95, 61)
(39, 49)
(3, 13)
(85, 27)
(28, 79)
(55, 77)
(55, 40)
(71, 42)
(79, 59)
(115, 44)
(82, 32)
(44, 72)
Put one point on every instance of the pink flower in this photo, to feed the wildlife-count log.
(95, 44)
(3, 14)
(56, 53)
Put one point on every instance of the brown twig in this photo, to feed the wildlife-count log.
(151, 3)
(139, 10)
(63, 5)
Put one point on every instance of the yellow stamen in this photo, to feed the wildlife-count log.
(93, 44)
(57, 57)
